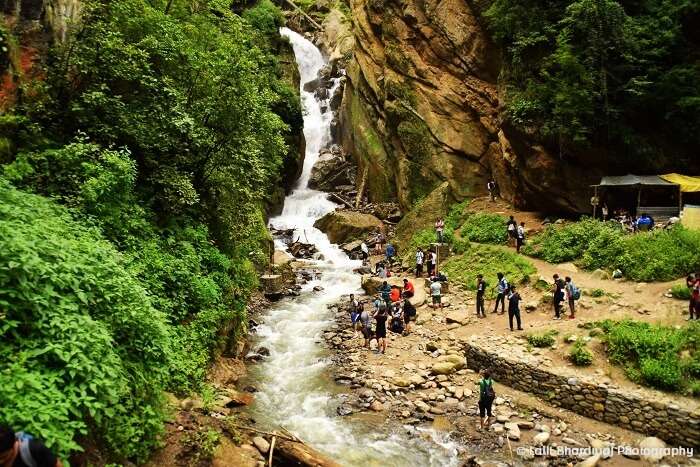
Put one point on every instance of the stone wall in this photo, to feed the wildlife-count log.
(668, 421)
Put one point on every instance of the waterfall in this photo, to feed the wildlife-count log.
(294, 390)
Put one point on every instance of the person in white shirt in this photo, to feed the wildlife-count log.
(420, 256)
(365, 250)
(520, 239)
(439, 228)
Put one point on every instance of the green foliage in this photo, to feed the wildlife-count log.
(681, 292)
(582, 72)
(200, 445)
(645, 256)
(160, 128)
(488, 260)
(659, 356)
(456, 215)
(82, 347)
(558, 244)
(484, 227)
(420, 239)
(542, 339)
(580, 355)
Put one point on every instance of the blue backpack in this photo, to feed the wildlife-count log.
(25, 452)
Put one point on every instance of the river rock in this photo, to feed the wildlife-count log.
(262, 444)
(422, 406)
(344, 226)
(443, 368)
(402, 381)
(654, 449)
(376, 406)
(457, 361)
(513, 431)
(590, 461)
(526, 453)
(540, 438)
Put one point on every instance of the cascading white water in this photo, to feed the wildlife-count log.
(293, 388)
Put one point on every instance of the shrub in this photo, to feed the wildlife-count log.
(81, 348)
(487, 260)
(681, 292)
(558, 244)
(543, 339)
(456, 216)
(580, 355)
(659, 356)
(484, 227)
(423, 239)
(597, 293)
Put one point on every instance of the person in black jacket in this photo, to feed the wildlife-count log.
(514, 308)
(21, 450)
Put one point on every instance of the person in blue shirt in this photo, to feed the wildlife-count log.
(390, 252)
(645, 222)
(502, 289)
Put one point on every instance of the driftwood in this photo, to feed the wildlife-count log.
(311, 20)
(298, 453)
(342, 200)
(361, 189)
(290, 450)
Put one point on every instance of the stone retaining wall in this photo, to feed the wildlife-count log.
(673, 424)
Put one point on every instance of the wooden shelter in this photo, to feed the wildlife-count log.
(649, 194)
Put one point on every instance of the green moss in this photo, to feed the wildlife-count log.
(396, 58)
(416, 140)
(488, 260)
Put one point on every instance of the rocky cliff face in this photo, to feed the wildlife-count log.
(421, 107)
(27, 29)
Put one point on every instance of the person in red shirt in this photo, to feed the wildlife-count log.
(693, 283)
(395, 294)
(408, 289)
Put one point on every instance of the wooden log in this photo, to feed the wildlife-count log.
(311, 20)
(361, 189)
(341, 200)
(297, 453)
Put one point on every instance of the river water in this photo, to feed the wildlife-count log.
(294, 389)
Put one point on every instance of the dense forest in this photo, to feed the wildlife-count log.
(623, 75)
(133, 186)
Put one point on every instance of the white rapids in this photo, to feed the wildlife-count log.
(294, 390)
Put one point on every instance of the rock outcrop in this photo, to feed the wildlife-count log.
(421, 107)
(344, 226)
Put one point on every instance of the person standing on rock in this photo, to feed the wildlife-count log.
(512, 229)
(502, 289)
(366, 326)
(378, 242)
(557, 295)
(436, 294)
(365, 250)
(381, 317)
(514, 308)
(355, 310)
(385, 290)
(420, 256)
(572, 294)
(480, 291)
(491, 186)
(432, 261)
(409, 314)
(390, 253)
(486, 397)
(439, 229)
(520, 237)
(408, 289)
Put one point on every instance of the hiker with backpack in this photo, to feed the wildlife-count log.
(366, 324)
(356, 308)
(502, 289)
(486, 397)
(22, 450)
(557, 295)
(572, 294)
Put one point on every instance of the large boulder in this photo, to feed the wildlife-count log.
(331, 170)
(652, 449)
(344, 226)
(457, 361)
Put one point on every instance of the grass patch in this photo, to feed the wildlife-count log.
(488, 260)
(422, 238)
(649, 256)
(658, 356)
(484, 227)
(681, 292)
(542, 339)
(580, 355)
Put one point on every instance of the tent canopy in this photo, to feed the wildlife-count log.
(635, 180)
(688, 184)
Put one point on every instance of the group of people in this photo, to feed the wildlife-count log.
(429, 258)
(516, 233)
(392, 307)
(19, 449)
(562, 291)
(503, 290)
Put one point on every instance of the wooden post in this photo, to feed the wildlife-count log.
(680, 200)
(595, 195)
(639, 200)
(361, 188)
